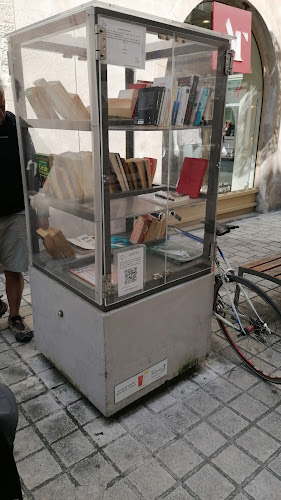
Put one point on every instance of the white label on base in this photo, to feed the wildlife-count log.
(130, 270)
(141, 380)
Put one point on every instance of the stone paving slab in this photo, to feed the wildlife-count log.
(212, 434)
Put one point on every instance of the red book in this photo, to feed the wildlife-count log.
(137, 86)
(191, 176)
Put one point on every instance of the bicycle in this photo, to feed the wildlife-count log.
(247, 316)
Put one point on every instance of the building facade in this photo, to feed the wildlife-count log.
(251, 151)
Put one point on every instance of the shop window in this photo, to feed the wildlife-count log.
(242, 115)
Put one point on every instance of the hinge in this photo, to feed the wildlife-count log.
(106, 285)
(213, 251)
(229, 55)
(100, 42)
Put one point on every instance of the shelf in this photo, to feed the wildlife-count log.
(73, 207)
(121, 207)
(128, 124)
(114, 124)
(133, 206)
(126, 194)
(56, 124)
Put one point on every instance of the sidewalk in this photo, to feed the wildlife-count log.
(214, 434)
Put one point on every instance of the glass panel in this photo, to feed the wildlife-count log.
(242, 121)
(242, 113)
(54, 114)
(159, 151)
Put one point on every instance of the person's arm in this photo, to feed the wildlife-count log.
(38, 202)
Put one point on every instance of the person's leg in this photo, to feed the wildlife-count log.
(14, 260)
(14, 290)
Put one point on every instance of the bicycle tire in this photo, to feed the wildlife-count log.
(259, 346)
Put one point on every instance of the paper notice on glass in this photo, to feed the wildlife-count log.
(125, 43)
(130, 270)
(118, 226)
(83, 241)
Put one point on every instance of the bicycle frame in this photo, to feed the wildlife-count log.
(223, 272)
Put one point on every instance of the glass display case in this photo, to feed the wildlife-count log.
(120, 124)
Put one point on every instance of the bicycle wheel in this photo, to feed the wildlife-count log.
(257, 339)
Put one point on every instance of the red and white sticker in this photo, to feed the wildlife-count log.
(141, 380)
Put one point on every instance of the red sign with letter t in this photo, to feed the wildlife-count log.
(235, 22)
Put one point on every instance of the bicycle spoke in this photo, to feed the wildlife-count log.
(258, 341)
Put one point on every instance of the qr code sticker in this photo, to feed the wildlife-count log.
(130, 275)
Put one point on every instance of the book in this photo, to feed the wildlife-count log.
(184, 95)
(147, 83)
(65, 185)
(61, 242)
(176, 106)
(133, 172)
(49, 244)
(137, 86)
(208, 112)
(163, 198)
(88, 177)
(153, 165)
(115, 167)
(68, 160)
(137, 234)
(60, 99)
(168, 83)
(159, 229)
(120, 164)
(149, 236)
(41, 103)
(195, 105)
(52, 184)
(163, 229)
(114, 186)
(141, 169)
(83, 241)
(127, 173)
(192, 82)
(201, 106)
(191, 176)
(148, 172)
(147, 106)
(79, 104)
(122, 107)
(86, 273)
(161, 98)
(44, 164)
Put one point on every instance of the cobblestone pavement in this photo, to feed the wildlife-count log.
(213, 434)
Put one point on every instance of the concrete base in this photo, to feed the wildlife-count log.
(99, 350)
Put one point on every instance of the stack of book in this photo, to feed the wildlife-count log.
(50, 100)
(172, 102)
(56, 243)
(70, 175)
(130, 174)
(148, 228)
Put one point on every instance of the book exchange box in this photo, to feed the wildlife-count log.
(125, 114)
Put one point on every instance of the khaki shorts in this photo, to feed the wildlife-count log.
(13, 243)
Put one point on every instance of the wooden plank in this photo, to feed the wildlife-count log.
(274, 272)
(264, 260)
(267, 266)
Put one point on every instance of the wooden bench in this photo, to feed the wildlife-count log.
(268, 268)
